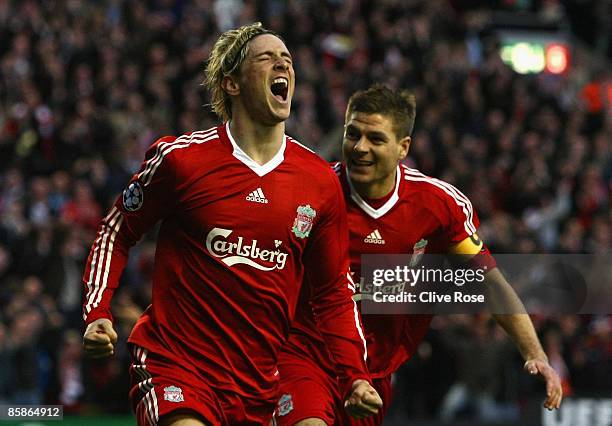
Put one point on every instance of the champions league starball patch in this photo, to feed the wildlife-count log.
(133, 197)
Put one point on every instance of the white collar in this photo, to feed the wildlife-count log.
(368, 209)
(259, 169)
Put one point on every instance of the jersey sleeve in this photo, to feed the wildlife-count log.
(458, 213)
(148, 197)
(462, 237)
(332, 288)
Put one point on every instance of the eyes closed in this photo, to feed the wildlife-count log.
(267, 56)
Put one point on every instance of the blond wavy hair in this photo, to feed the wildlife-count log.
(225, 59)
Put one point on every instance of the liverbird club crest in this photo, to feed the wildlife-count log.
(302, 225)
(173, 394)
(285, 405)
(417, 252)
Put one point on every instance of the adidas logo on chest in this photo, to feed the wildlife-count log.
(257, 196)
(374, 238)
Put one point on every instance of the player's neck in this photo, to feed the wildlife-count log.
(375, 190)
(258, 141)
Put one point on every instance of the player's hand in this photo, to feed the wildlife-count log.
(364, 401)
(99, 339)
(554, 391)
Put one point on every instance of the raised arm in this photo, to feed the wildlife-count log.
(148, 197)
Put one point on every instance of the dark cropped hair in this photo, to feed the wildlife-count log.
(400, 106)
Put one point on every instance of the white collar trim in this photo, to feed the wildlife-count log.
(259, 169)
(368, 209)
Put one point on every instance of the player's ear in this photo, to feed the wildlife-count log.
(230, 85)
(404, 147)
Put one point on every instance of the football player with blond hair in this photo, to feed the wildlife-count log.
(247, 215)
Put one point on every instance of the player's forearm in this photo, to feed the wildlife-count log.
(342, 331)
(340, 326)
(520, 329)
(510, 314)
(106, 261)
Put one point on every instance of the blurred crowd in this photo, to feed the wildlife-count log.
(86, 87)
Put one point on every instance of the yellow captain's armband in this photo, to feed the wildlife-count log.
(471, 245)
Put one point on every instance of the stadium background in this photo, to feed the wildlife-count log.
(86, 87)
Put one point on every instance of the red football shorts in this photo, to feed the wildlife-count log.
(160, 386)
(307, 391)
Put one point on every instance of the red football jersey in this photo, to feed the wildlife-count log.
(421, 211)
(236, 241)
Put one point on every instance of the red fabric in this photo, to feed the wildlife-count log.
(311, 392)
(483, 260)
(378, 202)
(161, 385)
(83, 212)
(308, 392)
(592, 94)
(228, 266)
(426, 209)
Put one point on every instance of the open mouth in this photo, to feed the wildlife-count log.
(280, 88)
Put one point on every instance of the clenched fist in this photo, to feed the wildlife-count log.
(99, 339)
(364, 401)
